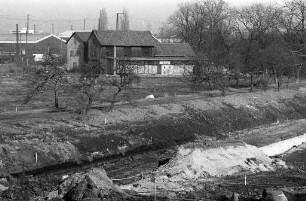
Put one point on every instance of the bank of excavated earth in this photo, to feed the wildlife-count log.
(41, 139)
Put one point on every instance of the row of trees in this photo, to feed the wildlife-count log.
(260, 38)
(124, 21)
(92, 84)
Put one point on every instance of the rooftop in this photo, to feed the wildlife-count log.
(174, 50)
(125, 38)
(83, 36)
(31, 38)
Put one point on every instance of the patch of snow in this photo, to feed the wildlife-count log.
(283, 146)
(151, 96)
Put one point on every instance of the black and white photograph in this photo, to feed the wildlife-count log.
(153, 100)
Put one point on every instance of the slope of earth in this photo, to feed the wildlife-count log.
(37, 139)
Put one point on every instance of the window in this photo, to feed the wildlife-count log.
(146, 51)
(78, 53)
(127, 51)
(71, 53)
(109, 51)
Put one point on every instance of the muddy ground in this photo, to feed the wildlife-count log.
(39, 145)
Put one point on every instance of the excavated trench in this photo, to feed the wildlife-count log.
(200, 118)
(149, 140)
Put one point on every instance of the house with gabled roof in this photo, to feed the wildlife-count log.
(33, 46)
(145, 54)
(107, 47)
(77, 54)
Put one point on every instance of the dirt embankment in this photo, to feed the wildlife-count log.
(41, 139)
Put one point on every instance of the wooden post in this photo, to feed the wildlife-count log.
(17, 45)
(115, 55)
(154, 188)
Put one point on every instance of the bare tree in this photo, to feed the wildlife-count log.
(126, 78)
(253, 23)
(125, 20)
(88, 85)
(51, 76)
(293, 22)
(103, 20)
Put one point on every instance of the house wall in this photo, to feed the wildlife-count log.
(127, 51)
(163, 68)
(94, 50)
(75, 53)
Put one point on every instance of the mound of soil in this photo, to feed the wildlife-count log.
(197, 162)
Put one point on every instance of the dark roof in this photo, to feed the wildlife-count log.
(125, 38)
(174, 50)
(83, 36)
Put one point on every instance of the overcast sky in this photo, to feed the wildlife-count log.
(66, 13)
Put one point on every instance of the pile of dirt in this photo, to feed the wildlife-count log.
(198, 163)
(92, 184)
(220, 161)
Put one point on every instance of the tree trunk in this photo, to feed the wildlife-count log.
(237, 81)
(56, 98)
(251, 88)
(88, 105)
(209, 84)
(298, 74)
(276, 81)
(223, 90)
(114, 99)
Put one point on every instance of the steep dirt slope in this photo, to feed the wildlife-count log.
(30, 140)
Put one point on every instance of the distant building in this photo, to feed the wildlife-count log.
(67, 34)
(77, 54)
(22, 31)
(35, 46)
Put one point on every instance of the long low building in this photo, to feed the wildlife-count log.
(34, 46)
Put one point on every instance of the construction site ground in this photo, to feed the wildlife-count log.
(39, 145)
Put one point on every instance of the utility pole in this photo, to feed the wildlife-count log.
(17, 45)
(71, 27)
(117, 21)
(26, 45)
(52, 31)
(84, 24)
(34, 29)
(27, 28)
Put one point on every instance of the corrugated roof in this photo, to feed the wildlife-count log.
(68, 33)
(22, 37)
(174, 50)
(125, 38)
